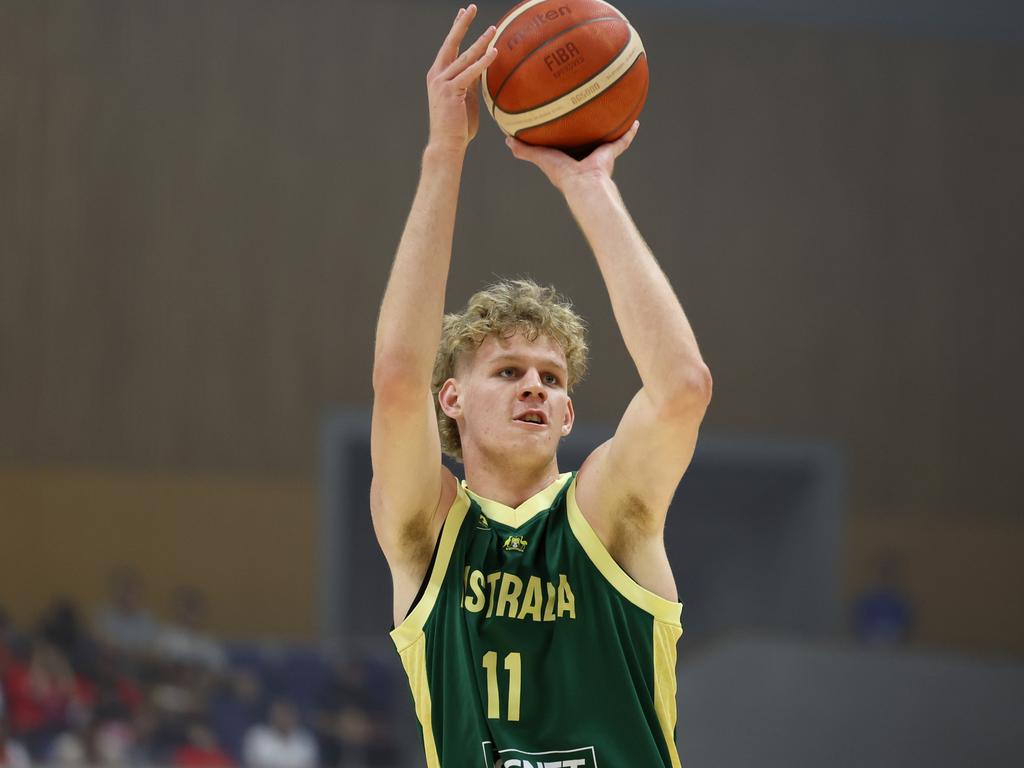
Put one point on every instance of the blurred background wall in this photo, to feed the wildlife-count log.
(199, 204)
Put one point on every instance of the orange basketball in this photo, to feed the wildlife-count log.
(570, 74)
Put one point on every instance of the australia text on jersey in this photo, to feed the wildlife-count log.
(504, 594)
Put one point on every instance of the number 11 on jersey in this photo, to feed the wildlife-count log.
(513, 664)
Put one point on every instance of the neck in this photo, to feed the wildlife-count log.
(510, 485)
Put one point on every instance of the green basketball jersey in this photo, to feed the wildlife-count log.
(531, 648)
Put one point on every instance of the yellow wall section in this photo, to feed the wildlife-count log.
(247, 542)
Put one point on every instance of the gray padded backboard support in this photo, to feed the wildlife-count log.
(753, 535)
(778, 702)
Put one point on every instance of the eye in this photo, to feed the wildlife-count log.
(509, 371)
(551, 379)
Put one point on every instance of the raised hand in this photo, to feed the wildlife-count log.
(452, 83)
(562, 170)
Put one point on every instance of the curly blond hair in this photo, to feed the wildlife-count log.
(504, 309)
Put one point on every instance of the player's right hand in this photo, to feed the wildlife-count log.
(452, 84)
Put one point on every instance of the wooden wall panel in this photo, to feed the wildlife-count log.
(963, 577)
(246, 542)
(199, 203)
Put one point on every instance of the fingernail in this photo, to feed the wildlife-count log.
(459, 14)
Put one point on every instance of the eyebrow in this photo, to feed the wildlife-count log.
(549, 362)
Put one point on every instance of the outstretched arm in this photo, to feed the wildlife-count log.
(404, 443)
(625, 487)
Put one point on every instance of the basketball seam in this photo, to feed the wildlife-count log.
(494, 98)
(593, 77)
(641, 52)
(574, 109)
(638, 101)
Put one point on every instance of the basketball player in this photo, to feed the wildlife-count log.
(535, 611)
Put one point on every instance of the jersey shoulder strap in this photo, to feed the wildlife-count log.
(406, 633)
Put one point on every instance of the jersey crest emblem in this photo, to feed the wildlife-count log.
(515, 544)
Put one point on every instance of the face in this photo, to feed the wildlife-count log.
(510, 400)
(282, 716)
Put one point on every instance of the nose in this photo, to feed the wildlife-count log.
(531, 386)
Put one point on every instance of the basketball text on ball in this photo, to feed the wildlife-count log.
(586, 93)
(538, 20)
(561, 56)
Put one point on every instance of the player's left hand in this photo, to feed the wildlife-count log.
(563, 171)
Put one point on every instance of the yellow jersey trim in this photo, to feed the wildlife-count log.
(414, 659)
(665, 638)
(656, 605)
(513, 518)
(411, 629)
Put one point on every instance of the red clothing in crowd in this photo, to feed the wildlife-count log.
(30, 707)
(191, 756)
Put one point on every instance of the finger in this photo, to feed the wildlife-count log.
(531, 153)
(470, 55)
(467, 77)
(622, 143)
(450, 47)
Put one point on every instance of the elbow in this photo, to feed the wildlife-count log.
(384, 377)
(701, 383)
(692, 390)
(397, 375)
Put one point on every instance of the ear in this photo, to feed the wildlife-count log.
(569, 419)
(448, 397)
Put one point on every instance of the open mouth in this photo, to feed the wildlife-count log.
(532, 419)
(532, 424)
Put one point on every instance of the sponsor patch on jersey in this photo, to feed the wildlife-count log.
(482, 524)
(515, 544)
(581, 757)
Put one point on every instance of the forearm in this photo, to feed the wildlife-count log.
(654, 327)
(409, 325)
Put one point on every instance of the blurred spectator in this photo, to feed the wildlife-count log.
(282, 743)
(122, 623)
(177, 702)
(113, 741)
(61, 627)
(882, 613)
(185, 639)
(235, 707)
(68, 749)
(116, 695)
(8, 644)
(353, 717)
(178, 698)
(12, 754)
(201, 749)
(44, 697)
(74, 747)
(145, 747)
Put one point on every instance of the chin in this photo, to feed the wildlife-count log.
(529, 451)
